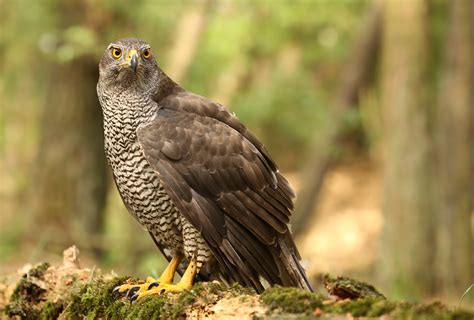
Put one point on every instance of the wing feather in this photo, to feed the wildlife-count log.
(222, 179)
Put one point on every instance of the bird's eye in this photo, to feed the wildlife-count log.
(116, 53)
(146, 53)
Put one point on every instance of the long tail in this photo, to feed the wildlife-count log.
(291, 271)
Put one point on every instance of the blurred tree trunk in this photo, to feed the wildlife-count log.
(189, 31)
(455, 137)
(70, 183)
(358, 72)
(407, 244)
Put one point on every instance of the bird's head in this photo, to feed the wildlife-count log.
(128, 63)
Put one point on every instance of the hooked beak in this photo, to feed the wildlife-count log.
(134, 63)
(132, 60)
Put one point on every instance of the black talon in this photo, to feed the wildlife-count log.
(116, 289)
(162, 291)
(134, 297)
(131, 292)
(153, 284)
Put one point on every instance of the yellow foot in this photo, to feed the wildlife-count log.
(160, 289)
(132, 289)
(166, 279)
(163, 284)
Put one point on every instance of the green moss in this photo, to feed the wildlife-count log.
(26, 289)
(237, 289)
(376, 307)
(147, 308)
(366, 307)
(39, 270)
(299, 301)
(435, 311)
(291, 300)
(347, 288)
(21, 309)
(96, 300)
(51, 310)
(27, 295)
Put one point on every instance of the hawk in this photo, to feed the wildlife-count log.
(195, 178)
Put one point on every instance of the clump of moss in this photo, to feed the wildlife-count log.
(96, 300)
(26, 288)
(365, 307)
(376, 307)
(21, 309)
(435, 310)
(371, 304)
(237, 289)
(347, 288)
(291, 300)
(38, 271)
(51, 310)
(27, 296)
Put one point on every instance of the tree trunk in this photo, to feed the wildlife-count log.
(71, 178)
(406, 262)
(455, 137)
(190, 29)
(71, 182)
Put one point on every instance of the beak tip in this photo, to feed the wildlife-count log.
(134, 63)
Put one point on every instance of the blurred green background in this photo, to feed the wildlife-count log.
(367, 106)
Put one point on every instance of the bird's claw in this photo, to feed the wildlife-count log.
(153, 284)
(157, 290)
(164, 284)
(139, 295)
(131, 292)
(116, 289)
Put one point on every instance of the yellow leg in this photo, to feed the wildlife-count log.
(166, 278)
(186, 282)
(168, 274)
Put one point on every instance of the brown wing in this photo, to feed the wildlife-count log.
(223, 181)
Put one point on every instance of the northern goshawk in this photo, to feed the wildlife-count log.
(195, 177)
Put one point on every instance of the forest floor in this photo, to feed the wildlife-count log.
(69, 291)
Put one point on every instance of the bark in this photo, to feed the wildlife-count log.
(356, 75)
(455, 135)
(70, 180)
(406, 262)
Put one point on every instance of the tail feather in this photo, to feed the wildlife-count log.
(292, 274)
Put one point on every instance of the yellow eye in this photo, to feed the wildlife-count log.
(116, 53)
(146, 53)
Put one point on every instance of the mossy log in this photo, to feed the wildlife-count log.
(71, 292)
